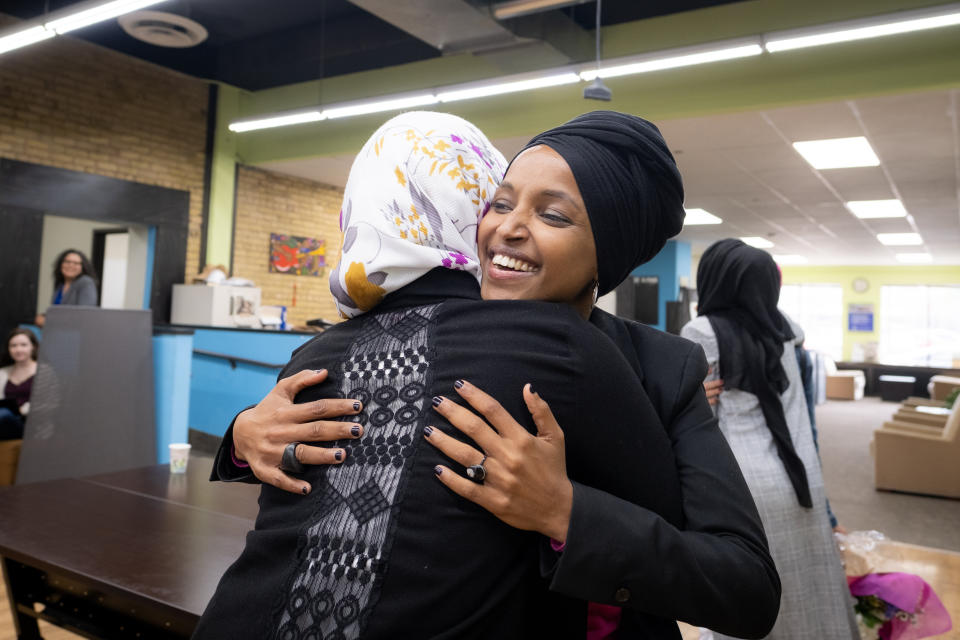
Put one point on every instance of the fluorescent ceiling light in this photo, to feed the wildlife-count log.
(23, 38)
(62, 21)
(788, 259)
(838, 153)
(641, 65)
(278, 121)
(83, 17)
(859, 30)
(899, 239)
(915, 258)
(499, 88)
(393, 104)
(757, 241)
(700, 216)
(877, 208)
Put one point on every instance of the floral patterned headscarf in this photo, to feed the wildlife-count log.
(413, 199)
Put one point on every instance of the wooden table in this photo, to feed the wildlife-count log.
(133, 554)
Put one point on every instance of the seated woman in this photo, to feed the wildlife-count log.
(74, 282)
(763, 414)
(19, 366)
(553, 243)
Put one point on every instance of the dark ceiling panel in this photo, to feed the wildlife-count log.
(258, 44)
(255, 44)
(620, 11)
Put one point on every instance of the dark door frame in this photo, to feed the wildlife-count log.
(75, 194)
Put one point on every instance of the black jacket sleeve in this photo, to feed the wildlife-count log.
(224, 469)
(716, 571)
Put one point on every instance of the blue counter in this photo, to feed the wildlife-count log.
(220, 388)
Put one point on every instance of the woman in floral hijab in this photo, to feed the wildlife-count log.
(395, 232)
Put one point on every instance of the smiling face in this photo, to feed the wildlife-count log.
(20, 348)
(71, 266)
(536, 242)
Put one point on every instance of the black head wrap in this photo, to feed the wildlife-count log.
(738, 288)
(630, 185)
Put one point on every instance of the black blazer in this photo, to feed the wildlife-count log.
(452, 570)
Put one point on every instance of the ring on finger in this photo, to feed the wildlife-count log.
(478, 472)
(289, 462)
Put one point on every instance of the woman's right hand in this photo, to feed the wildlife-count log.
(260, 434)
(712, 388)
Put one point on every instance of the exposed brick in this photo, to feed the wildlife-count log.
(268, 203)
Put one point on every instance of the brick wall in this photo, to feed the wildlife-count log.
(70, 104)
(268, 203)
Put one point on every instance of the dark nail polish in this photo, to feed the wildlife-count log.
(303, 489)
(319, 370)
(338, 455)
(458, 384)
(436, 401)
(356, 406)
(531, 389)
(355, 431)
(427, 431)
(438, 469)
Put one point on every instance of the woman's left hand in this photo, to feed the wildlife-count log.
(526, 482)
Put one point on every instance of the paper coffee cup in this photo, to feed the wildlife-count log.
(179, 455)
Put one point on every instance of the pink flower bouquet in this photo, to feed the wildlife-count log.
(897, 606)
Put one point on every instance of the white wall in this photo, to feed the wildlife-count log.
(113, 280)
(136, 267)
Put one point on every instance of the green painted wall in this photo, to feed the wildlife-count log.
(223, 180)
(877, 277)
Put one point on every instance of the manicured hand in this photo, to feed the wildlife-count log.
(712, 388)
(260, 434)
(526, 482)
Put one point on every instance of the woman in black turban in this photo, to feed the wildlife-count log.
(580, 207)
(763, 414)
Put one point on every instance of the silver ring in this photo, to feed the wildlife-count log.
(477, 472)
(289, 462)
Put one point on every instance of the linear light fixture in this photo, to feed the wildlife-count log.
(65, 20)
(276, 121)
(757, 241)
(790, 259)
(699, 216)
(377, 106)
(914, 258)
(23, 38)
(838, 153)
(877, 209)
(674, 58)
(485, 89)
(899, 239)
(891, 24)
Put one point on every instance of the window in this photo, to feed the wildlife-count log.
(920, 325)
(818, 309)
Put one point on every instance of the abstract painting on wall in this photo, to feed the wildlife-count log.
(296, 255)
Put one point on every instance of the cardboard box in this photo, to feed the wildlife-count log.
(845, 385)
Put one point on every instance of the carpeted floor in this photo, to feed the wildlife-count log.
(845, 430)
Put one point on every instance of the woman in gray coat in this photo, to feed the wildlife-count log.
(74, 281)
